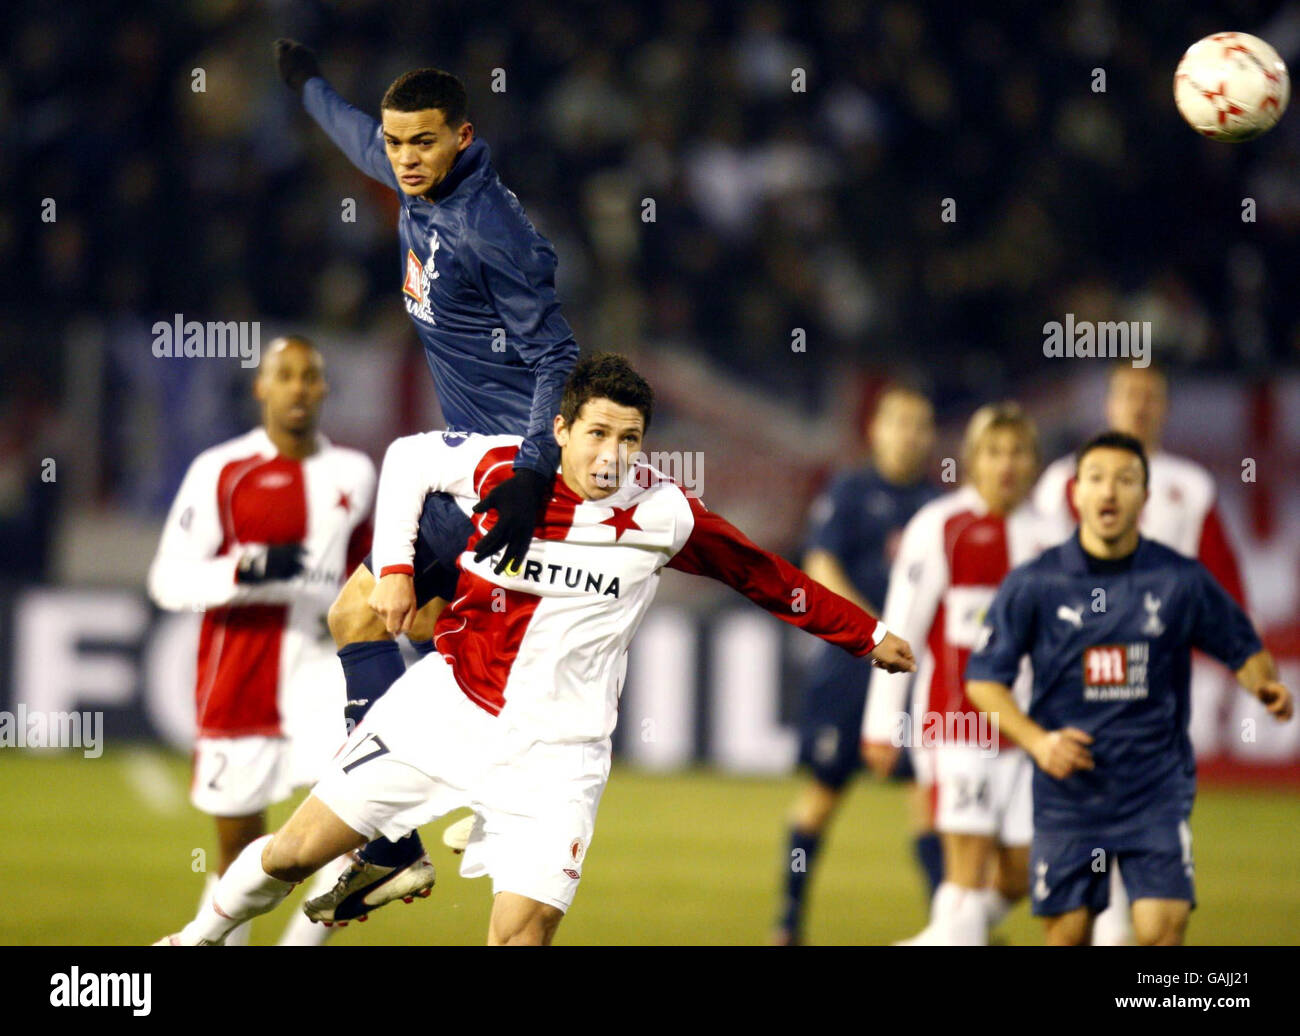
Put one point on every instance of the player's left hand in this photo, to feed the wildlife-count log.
(297, 63)
(1277, 699)
(893, 655)
(518, 502)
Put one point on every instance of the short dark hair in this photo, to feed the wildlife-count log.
(1112, 440)
(606, 376)
(426, 88)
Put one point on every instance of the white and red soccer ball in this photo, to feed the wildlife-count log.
(1231, 86)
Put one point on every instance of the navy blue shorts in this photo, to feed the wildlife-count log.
(1068, 871)
(444, 531)
(830, 729)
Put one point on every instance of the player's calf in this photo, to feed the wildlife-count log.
(519, 921)
(312, 837)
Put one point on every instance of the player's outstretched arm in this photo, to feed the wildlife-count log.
(717, 549)
(1058, 753)
(1259, 677)
(356, 134)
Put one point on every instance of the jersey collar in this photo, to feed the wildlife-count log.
(472, 160)
(1075, 563)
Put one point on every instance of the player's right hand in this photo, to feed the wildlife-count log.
(393, 600)
(880, 756)
(297, 63)
(893, 655)
(1060, 752)
(262, 564)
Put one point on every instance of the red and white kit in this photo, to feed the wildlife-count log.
(269, 692)
(952, 557)
(1181, 513)
(513, 715)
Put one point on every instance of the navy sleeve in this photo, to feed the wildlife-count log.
(1220, 628)
(1007, 633)
(516, 274)
(832, 520)
(358, 135)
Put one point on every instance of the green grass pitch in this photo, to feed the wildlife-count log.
(102, 852)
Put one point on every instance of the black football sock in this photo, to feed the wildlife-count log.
(798, 868)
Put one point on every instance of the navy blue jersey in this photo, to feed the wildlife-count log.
(1111, 653)
(859, 519)
(479, 283)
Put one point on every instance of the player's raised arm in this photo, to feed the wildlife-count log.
(357, 134)
(514, 268)
(190, 571)
(717, 549)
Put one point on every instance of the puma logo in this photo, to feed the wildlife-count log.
(1074, 616)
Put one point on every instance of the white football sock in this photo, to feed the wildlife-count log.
(244, 892)
(959, 916)
(302, 931)
(239, 937)
(1113, 926)
(996, 907)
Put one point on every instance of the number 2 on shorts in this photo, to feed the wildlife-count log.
(381, 749)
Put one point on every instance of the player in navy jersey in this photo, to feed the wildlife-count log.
(856, 526)
(478, 281)
(1109, 619)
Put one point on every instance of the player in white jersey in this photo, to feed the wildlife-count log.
(513, 715)
(954, 553)
(263, 532)
(1181, 513)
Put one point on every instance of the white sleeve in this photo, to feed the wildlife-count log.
(413, 467)
(916, 584)
(188, 572)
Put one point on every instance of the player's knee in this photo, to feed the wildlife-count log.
(1165, 930)
(350, 617)
(1073, 929)
(534, 928)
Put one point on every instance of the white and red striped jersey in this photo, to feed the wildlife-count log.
(254, 637)
(1180, 512)
(546, 648)
(953, 555)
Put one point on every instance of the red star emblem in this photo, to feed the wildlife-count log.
(345, 502)
(621, 520)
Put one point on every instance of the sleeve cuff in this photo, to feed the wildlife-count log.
(882, 631)
(396, 570)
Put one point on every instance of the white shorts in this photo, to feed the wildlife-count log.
(240, 776)
(425, 749)
(984, 794)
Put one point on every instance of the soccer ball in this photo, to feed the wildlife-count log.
(1231, 86)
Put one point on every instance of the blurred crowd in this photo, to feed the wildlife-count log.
(911, 187)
